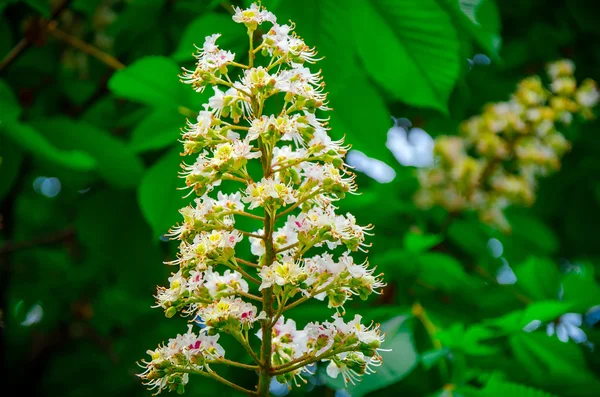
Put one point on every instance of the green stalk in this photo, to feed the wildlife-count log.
(265, 373)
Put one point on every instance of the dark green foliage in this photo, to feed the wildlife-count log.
(78, 267)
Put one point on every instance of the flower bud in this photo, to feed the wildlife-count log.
(170, 312)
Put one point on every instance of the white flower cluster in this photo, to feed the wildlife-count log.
(350, 348)
(171, 364)
(321, 277)
(502, 152)
(280, 175)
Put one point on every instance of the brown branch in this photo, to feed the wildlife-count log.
(48, 239)
(26, 41)
(89, 49)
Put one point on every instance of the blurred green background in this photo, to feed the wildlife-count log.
(90, 111)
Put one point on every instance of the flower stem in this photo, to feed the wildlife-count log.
(299, 203)
(251, 50)
(219, 378)
(245, 273)
(235, 364)
(420, 313)
(247, 263)
(239, 65)
(265, 375)
(283, 369)
(240, 338)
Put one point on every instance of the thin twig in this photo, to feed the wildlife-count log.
(248, 295)
(26, 42)
(298, 203)
(235, 364)
(85, 47)
(246, 347)
(245, 273)
(48, 239)
(100, 55)
(288, 247)
(277, 371)
(212, 374)
(419, 312)
(247, 263)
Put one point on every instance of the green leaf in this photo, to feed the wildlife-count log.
(208, 24)
(116, 163)
(396, 364)
(160, 129)
(136, 36)
(539, 278)
(87, 7)
(29, 139)
(362, 116)
(103, 217)
(360, 111)
(582, 13)
(158, 194)
(475, 338)
(431, 357)
(41, 6)
(10, 161)
(533, 231)
(580, 285)
(417, 243)
(413, 52)
(480, 19)
(515, 321)
(546, 311)
(443, 271)
(6, 39)
(11, 110)
(547, 359)
(324, 24)
(470, 236)
(195, 6)
(499, 388)
(152, 81)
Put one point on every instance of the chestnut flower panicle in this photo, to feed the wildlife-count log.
(500, 154)
(283, 173)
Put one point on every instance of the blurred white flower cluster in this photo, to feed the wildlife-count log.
(282, 172)
(501, 153)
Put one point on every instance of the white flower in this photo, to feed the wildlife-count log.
(210, 43)
(587, 95)
(284, 272)
(216, 102)
(268, 190)
(201, 127)
(228, 283)
(229, 312)
(242, 149)
(564, 67)
(348, 365)
(188, 350)
(253, 16)
(210, 59)
(205, 247)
